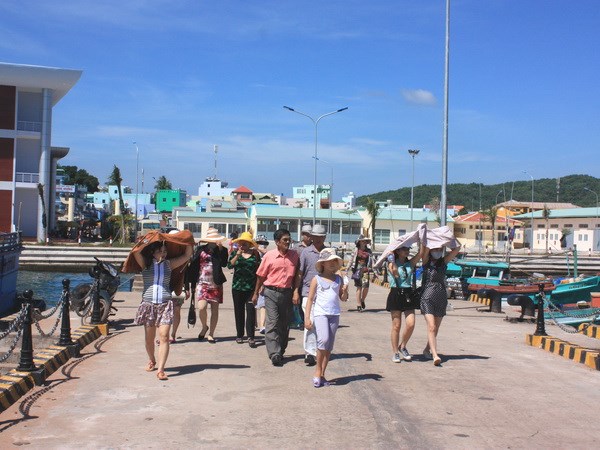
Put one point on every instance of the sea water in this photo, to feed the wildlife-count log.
(48, 286)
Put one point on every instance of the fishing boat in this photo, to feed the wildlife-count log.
(10, 249)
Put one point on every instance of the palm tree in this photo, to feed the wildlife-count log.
(373, 209)
(116, 179)
(162, 184)
(40, 187)
(546, 217)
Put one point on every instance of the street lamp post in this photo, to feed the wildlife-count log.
(412, 153)
(531, 246)
(330, 198)
(316, 123)
(596, 194)
(499, 192)
(137, 164)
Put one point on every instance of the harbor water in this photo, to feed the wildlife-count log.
(48, 285)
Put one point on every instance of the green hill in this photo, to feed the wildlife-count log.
(569, 189)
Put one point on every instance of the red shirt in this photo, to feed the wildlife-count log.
(278, 270)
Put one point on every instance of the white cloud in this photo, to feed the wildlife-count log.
(419, 97)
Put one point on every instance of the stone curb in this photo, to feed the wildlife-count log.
(15, 384)
(559, 347)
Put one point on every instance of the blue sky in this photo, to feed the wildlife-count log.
(179, 77)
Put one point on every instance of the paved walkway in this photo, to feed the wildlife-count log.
(492, 391)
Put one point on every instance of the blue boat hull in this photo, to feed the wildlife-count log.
(10, 249)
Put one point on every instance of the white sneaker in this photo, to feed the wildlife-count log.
(396, 358)
(405, 355)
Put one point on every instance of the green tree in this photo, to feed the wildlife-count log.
(373, 210)
(116, 179)
(81, 177)
(546, 217)
(162, 184)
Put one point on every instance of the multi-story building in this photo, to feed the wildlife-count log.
(27, 157)
(308, 192)
(167, 199)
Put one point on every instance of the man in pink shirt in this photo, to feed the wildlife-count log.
(277, 274)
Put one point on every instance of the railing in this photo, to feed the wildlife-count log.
(25, 177)
(23, 125)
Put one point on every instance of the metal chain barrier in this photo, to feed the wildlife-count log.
(51, 333)
(15, 323)
(12, 346)
(552, 308)
(39, 315)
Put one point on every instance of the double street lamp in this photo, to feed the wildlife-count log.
(316, 123)
(412, 153)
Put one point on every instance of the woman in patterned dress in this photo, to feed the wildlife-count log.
(212, 258)
(244, 261)
(362, 262)
(156, 309)
(434, 298)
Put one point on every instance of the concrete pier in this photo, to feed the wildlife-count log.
(491, 391)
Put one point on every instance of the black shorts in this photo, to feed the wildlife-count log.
(399, 299)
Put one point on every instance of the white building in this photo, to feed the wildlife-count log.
(213, 187)
(307, 192)
(27, 158)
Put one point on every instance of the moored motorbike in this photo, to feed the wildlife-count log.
(106, 276)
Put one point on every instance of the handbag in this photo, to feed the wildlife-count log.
(416, 292)
(356, 275)
(192, 312)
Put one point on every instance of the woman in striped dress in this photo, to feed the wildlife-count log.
(156, 308)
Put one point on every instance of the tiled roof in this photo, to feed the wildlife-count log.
(242, 190)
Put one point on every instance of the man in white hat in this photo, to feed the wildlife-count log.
(306, 273)
(305, 238)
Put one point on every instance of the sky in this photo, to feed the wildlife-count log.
(179, 77)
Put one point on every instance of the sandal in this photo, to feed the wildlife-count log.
(202, 333)
(238, 340)
(211, 340)
(172, 341)
(252, 343)
(162, 376)
(151, 366)
(437, 361)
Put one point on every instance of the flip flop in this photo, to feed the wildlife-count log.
(162, 376)
(437, 361)
(211, 340)
(151, 366)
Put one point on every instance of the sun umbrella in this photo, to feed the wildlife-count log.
(176, 244)
(406, 240)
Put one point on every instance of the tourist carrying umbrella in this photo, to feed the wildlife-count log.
(160, 258)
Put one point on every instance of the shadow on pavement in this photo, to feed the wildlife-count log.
(341, 381)
(194, 368)
(367, 356)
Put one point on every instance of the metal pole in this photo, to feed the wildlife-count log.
(316, 123)
(445, 134)
(65, 325)
(531, 245)
(540, 329)
(137, 164)
(26, 363)
(594, 192)
(96, 318)
(412, 153)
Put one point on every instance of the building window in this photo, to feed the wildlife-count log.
(568, 225)
(583, 225)
(382, 237)
(554, 225)
(193, 227)
(220, 227)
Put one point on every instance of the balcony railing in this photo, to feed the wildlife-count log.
(23, 125)
(24, 177)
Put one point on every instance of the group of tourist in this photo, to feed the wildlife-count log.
(266, 286)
